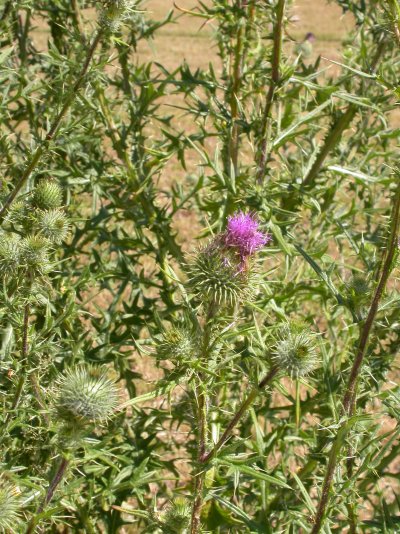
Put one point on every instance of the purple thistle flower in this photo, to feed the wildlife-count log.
(243, 234)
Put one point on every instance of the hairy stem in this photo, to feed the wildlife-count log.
(202, 423)
(49, 495)
(234, 101)
(239, 414)
(24, 357)
(350, 392)
(338, 127)
(43, 146)
(275, 80)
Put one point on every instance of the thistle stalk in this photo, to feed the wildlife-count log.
(350, 392)
(44, 145)
(202, 421)
(275, 80)
(24, 356)
(49, 494)
(337, 128)
(234, 99)
(239, 414)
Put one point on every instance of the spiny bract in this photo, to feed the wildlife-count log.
(47, 195)
(216, 276)
(85, 395)
(295, 351)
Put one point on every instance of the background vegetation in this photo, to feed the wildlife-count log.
(152, 384)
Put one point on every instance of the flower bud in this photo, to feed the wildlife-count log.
(177, 344)
(10, 506)
(295, 352)
(35, 254)
(113, 13)
(85, 395)
(216, 276)
(10, 254)
(47, 195)
(17, 213)
(175, 519)
(53, 225)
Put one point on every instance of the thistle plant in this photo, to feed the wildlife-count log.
(215, 240)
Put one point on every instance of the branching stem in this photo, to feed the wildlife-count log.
(350, 393)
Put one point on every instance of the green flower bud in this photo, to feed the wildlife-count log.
(295, 352)
(216, 276)
(47, 195)
(35, 254)
(358, 288)
(10, 506)
(175, 519)
(177, 345)
(85, 395)
(113, 13)
(17, 213)
(53, 225)
(10, 254)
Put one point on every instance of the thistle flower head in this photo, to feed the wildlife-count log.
(10, 254)
(35, 254)
(243, 234)
(85, 395)
(176, 344)
(17, 213)
(176, 517)
(215, 276)
(52, 224)
(113, 12)
(10, 506)
(47, 195)
(295, 351)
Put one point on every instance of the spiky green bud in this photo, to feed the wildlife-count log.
(10, 254)
(358, 288)
(175, 519)
(295, 351)
(53, 225)
(47, 195)
(114, 12)
(216, 276)
(35, 254)
(85, 395)
(18, 213)
(10, 507)
(176, 344)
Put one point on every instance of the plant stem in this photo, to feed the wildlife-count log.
(239, 414)
(275, 80)
(350, 393)
(331, 140)
(234, 100)
(337, 128)
(43, 146)
(49, 495)
(24, 357)
(202, 422)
